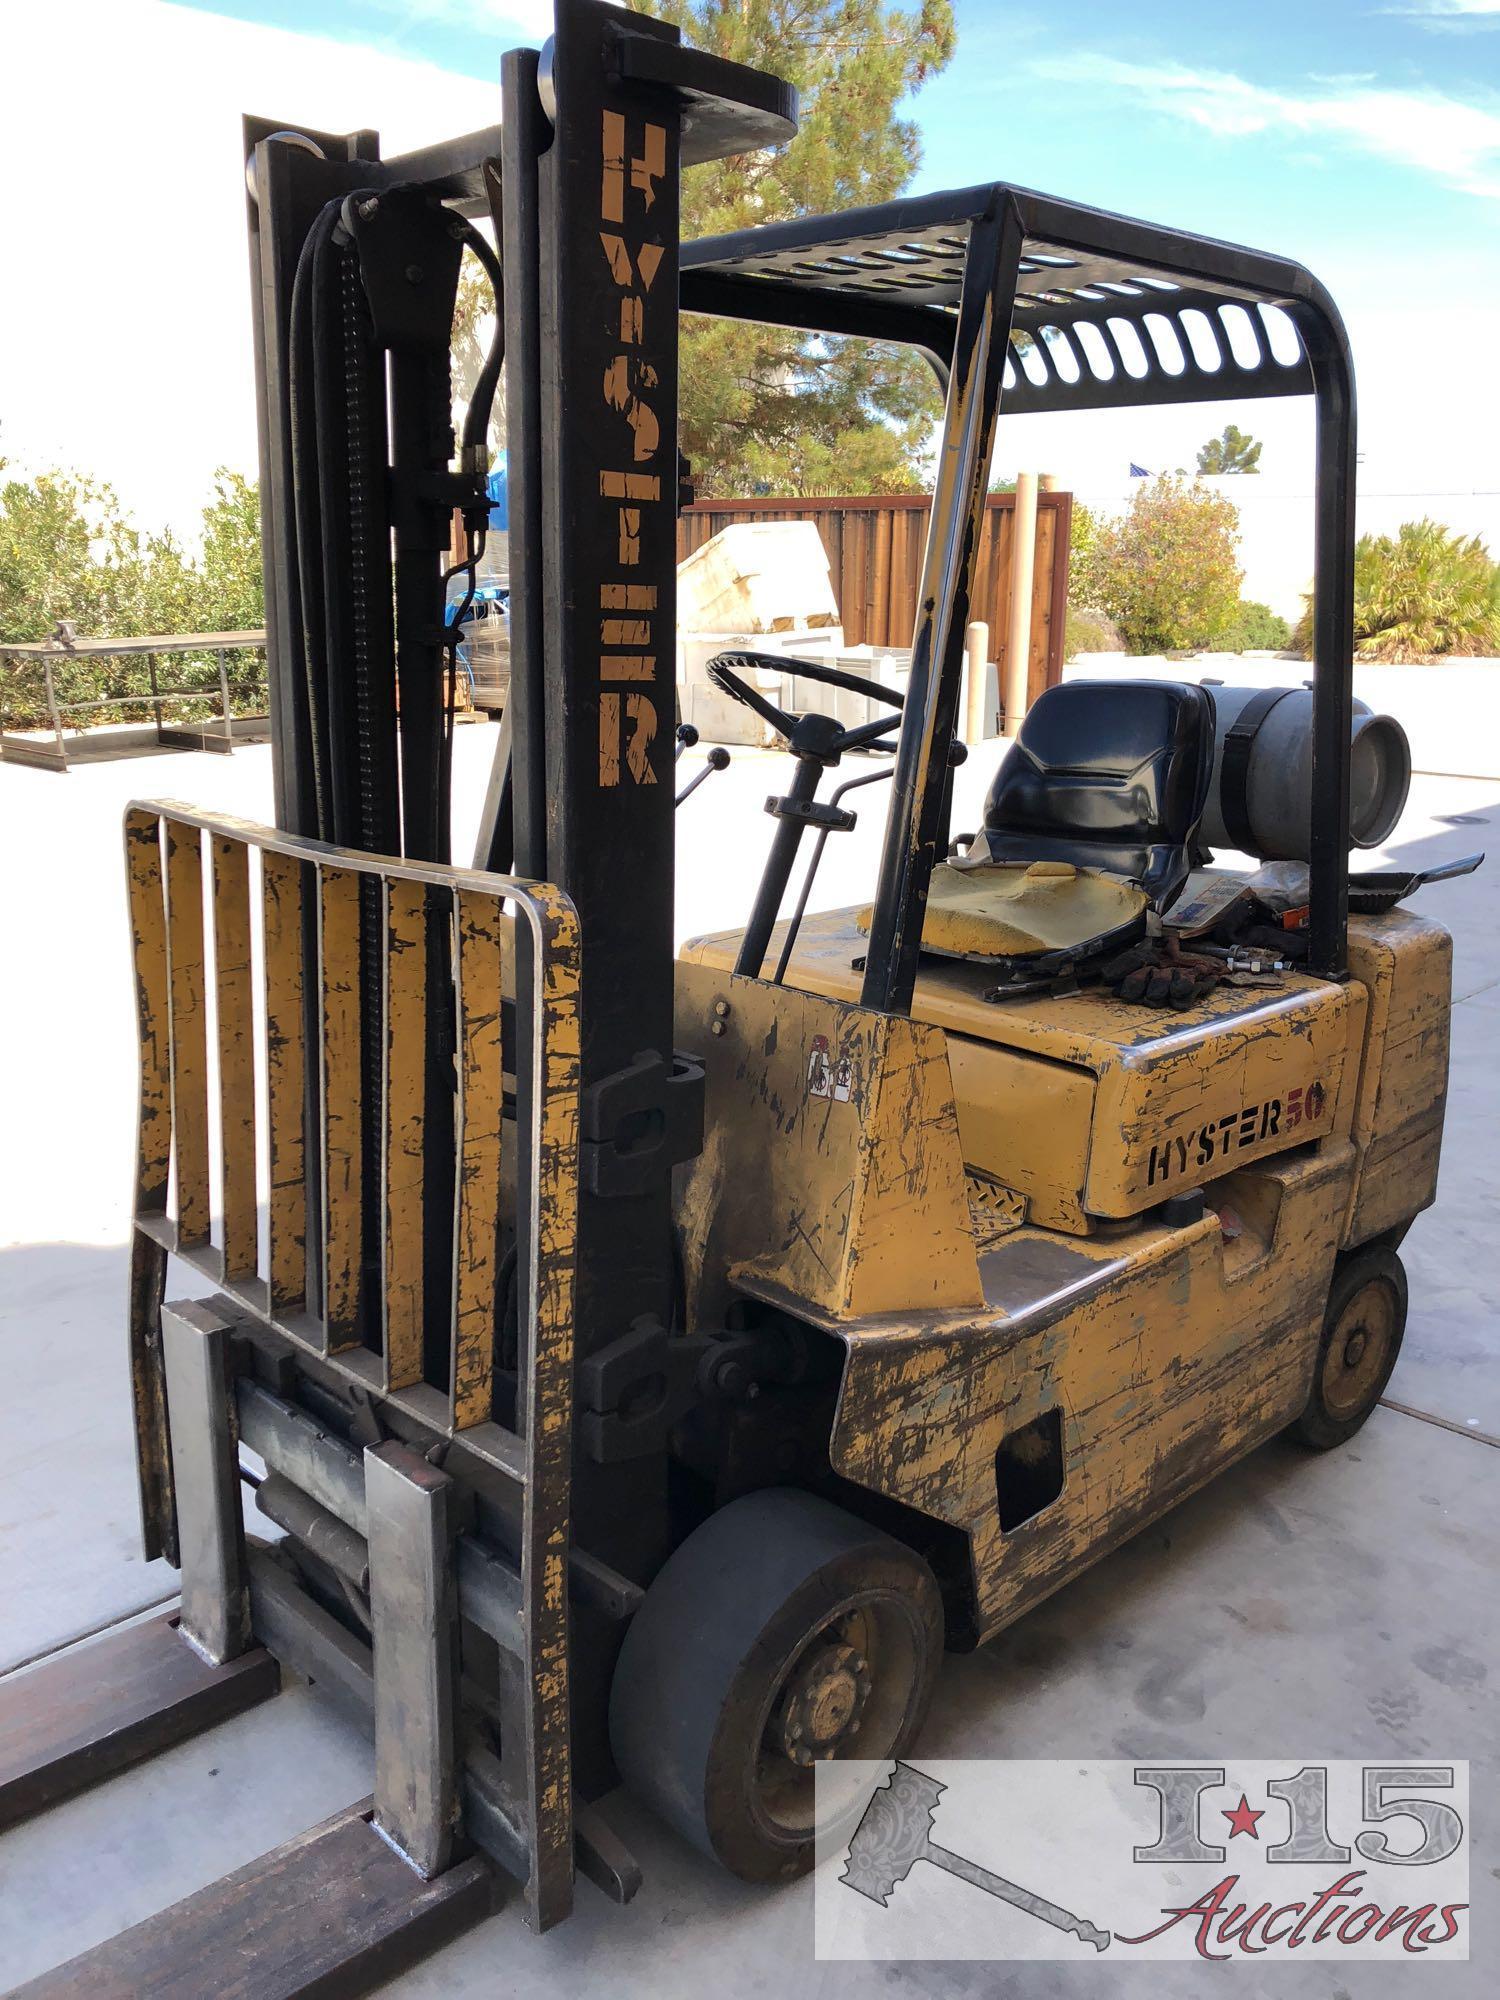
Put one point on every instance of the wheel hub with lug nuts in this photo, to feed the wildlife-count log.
(824, 1703)
(1360, 1348)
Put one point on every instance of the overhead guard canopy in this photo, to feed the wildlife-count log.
(1096, 311)
(1109, 312)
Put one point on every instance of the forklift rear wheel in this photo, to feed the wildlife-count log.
(1362, 1331)
(781, 1635)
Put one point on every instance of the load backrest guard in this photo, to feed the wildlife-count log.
(338, 1274)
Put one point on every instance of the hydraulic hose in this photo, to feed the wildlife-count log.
(482, 402)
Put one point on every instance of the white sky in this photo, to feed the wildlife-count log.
(125, 343)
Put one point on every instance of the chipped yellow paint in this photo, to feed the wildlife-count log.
(833, 1180)
(148, 934)
(1167, 1352)
(148, 938)
(1028, 1123)
(343, 1109)
(545, 1416)
(235, 1025)
(543, 1148)
(405, 1095)
(480, 1104)
(1221, 1093)
(841, 1121)
(997, 910)
(1165, 1363)
(554, 1221)
(189, 1046)
(1114, 1086)
(286, 1069)
(1406, 964)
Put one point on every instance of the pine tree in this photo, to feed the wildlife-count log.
(764, 410)
(1233, 450)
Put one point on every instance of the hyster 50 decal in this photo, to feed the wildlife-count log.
(1250, 1125)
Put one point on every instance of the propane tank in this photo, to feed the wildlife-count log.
(1260, 799)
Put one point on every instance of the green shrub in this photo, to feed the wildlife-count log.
(1165, 572)
(1425, 593)
(1090, 632)
(1255, 628)
(1083, 558)
(67, 551)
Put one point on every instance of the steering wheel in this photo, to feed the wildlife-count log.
(721, 671)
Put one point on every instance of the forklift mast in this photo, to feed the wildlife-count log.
(447, 1340)
(356, 264)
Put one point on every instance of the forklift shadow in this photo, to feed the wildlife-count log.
(1472, 827)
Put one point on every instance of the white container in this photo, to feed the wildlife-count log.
(718, 717)
(888, 666)
(757, 577)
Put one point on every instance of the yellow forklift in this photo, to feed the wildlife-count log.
(648, 1366)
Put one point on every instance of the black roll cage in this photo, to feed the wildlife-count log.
(1020, 299)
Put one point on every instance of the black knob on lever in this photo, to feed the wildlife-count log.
(687, 736)
(717, 760)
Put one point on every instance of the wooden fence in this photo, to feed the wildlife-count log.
(875, 544)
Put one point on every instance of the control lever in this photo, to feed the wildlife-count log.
(718, 760)
(957, 754)
(849, 785)
(687, 736)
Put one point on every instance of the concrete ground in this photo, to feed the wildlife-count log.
(1343, 1605)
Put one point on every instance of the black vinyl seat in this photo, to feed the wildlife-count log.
(1106, 774)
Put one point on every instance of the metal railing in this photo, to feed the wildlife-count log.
(71, 742)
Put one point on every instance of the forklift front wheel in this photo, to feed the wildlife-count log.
(1362, 1331)
(782, 1635)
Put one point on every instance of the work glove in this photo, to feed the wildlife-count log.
(1143, 977)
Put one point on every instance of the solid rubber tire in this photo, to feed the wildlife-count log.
(714, 1633)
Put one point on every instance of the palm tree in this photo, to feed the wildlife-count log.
(1424, 593)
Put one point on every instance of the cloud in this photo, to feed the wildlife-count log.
(1459, 15)
(1451, 138)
